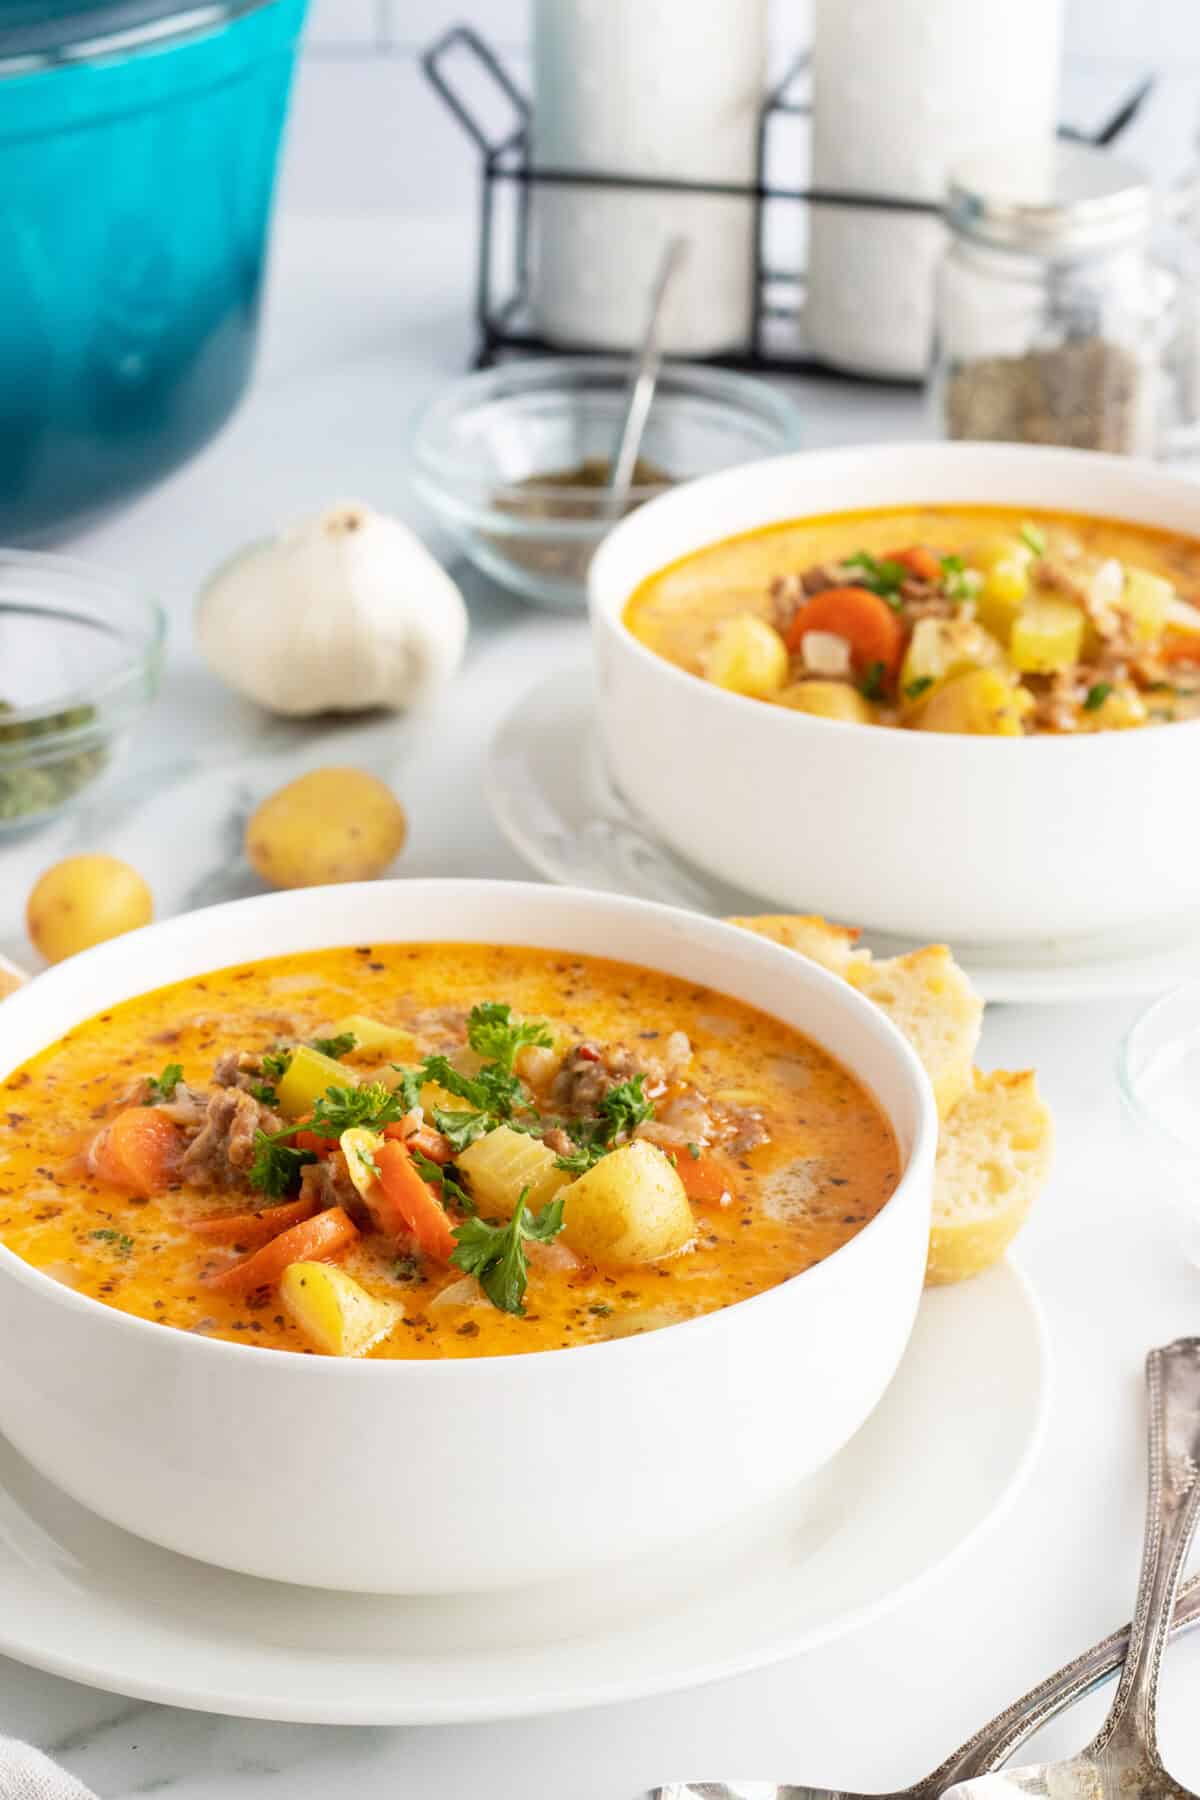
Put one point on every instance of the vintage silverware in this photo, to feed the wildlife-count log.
(1174, 1498)
(1122, 1761)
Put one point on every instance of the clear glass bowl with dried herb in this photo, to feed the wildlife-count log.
(1053, 317)
(80, 657)
(515, 460)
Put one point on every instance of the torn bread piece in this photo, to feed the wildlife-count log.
(994, 1154)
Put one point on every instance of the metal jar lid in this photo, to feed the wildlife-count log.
(45, 34)
(1053, 199)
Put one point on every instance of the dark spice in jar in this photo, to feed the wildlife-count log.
(567, 494)
(1085, 394)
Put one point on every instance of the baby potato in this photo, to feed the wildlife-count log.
(979, 703)
(630, 1208)
(827, 700)
(84, 900)
(338, 1316)
(328, 826)
(747, 656)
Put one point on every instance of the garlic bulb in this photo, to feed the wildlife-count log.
(345, 612)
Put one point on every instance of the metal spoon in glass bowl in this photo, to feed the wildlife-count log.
(643, 379)
(1122, 1761)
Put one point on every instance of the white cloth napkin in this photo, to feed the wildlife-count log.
(25, 1774)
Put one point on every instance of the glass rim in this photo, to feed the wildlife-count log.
(1126, 1081)
(142, 644)
(163, 24)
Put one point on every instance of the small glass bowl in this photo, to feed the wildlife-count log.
(1158, 1070)
(80, 658)
(487, 452)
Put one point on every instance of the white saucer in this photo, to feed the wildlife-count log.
(553, 799)
(947, 1449)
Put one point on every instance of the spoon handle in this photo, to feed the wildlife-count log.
(1172, 1514)
(994, 1743)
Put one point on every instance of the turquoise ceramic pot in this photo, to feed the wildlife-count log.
(138, 146)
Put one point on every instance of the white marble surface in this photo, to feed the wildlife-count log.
(365, 319)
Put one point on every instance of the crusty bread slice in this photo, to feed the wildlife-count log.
(833, 946)
(994, 1155)
(924, 992)
(927, 995)
(11, 978)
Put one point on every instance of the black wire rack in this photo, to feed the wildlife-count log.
(502, 286)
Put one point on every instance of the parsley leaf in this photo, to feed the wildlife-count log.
(162, 1087)
(1097, 695)
(622, 1110)
(121, 1242)
(871, 685)
(339, 1109)
(336, 1047)
(266, 1096)
(276, 1063)
(462, 1128)
(1034, 538)
(409, 1086)
(276, 1166)
(881, 577)
(914, 689)
(494, 1034)
(495, 1254)
(959, 582)
(445, 1176)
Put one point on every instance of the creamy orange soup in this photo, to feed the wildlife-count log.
(783, 1155)
(951, 618)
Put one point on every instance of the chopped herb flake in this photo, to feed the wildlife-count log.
(871, 685)
(1034, 538)
(1096, 695)
(921, 685)
(335, 1047)
(495, 1254)
(162, 1087)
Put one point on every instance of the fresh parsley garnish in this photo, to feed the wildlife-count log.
(162, 1087)
(921, 685)
(445, 1176)
(959, 582)
(277, 1165)
(871, 685)
(462, 1128)
(408, 1087)
(336, 1047)
(884, 578)
(373, 1105)
(1096, 695)
(495, 1254)
(494, 1034)
(266, 1096)
(121, 1242)
(276, 1063)
(1034, 539)
(622, 1110)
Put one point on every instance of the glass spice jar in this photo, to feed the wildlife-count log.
(1052, 317)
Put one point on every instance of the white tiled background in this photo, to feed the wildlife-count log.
(369, 135)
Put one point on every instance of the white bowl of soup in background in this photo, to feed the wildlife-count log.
(416, 1477)
(971, 838)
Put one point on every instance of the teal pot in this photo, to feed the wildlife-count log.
(138, 148)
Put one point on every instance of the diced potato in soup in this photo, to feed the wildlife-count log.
(1031, 622)
(423, 1151)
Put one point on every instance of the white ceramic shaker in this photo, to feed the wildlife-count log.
(645, 87)
(901, 90)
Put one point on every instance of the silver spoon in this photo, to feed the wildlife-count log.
(1122, 1761)
(643, 380)
(996, 1742)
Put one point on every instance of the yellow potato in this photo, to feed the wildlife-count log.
(630, 1208)
(1047, 635)
(327, 826)
(980, 703)
(373, 1038)
(308, 1075)
(338, 1316)
(747, 656)
(83, 901)
(828, 700)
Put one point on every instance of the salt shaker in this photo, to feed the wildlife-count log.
(901, 89)
(1053, 317)
(646, 88)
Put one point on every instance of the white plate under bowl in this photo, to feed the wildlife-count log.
(947, 1449)
(555, 802)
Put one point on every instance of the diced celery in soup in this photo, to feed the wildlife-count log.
(435, 1150)
(978, 620)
